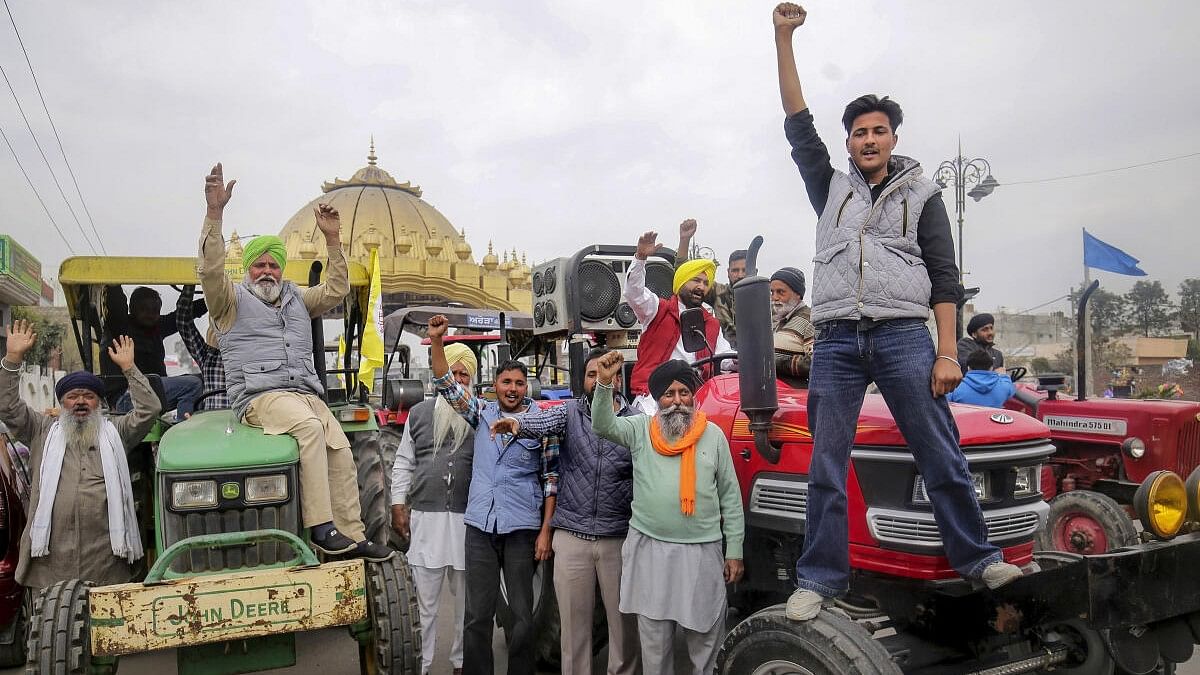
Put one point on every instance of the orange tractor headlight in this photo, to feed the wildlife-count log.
(1161, 503)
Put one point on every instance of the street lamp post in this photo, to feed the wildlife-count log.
(970, 178)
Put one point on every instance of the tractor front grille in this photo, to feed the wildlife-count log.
(780, 498)
(228, 517)
(1188, 447)
(920, 529)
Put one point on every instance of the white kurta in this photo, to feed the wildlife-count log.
(437, 538)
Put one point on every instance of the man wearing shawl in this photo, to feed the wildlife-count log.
(661, 337)
(429, 496)
(264, 330)
(83, 524)
(685, 499)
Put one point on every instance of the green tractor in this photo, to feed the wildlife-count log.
(230, 577)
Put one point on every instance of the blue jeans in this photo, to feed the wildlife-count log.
(182, 392)
(898, 356)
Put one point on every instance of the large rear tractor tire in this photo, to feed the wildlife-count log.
(373, 492)
(767, 643)
(1087, 523)
(389, 442)
(395, 646)
(59, 637)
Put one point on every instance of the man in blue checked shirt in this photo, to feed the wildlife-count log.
(590, 523)
(208, 357)
(514, 487)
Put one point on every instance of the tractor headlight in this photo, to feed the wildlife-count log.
(272, 488)
(1134, 447)
(193, 494)
(1028, 481)
(1162, 503)
(980, 479)
(354, 414)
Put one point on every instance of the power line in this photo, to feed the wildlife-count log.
(35, 192)
(54, 128)
(45, 159)
(1164, 160)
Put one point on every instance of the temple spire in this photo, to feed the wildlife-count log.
(371, 156)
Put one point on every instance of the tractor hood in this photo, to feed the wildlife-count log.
(215, 440)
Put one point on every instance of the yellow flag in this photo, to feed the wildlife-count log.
(372, 343)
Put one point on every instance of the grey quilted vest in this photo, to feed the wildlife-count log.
(268, 348)
(440, 479)
(595, 482)
(868, 263)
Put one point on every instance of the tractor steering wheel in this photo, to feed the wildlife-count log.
(715, 358)
(1016, 373)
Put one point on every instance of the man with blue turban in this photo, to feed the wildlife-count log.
(82, 523)
(661, 338)
(264, 330)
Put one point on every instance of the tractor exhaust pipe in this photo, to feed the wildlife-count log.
(756, 353)
(1081, 345)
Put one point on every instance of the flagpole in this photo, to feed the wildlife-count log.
(1087, 331)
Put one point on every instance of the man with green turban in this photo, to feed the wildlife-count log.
(264, 330)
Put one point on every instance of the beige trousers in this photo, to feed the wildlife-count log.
(328, 478)
(578, 566)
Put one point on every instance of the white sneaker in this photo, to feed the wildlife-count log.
(803, 605)
(999, 573)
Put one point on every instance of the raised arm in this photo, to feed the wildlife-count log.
(22, 421)
(185, 324)
(218, 288)
(642, 300)
(606, 424)
(787, 17)
(687, 231)
(444, 383)
(325, 296)
(134, 426)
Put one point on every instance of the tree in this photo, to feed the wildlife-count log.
(1189, 307)
(1148, 308)
(1040, 364)
(1106, 311)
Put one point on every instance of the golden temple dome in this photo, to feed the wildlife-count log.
(421, 254)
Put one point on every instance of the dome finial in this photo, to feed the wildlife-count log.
(371, 156)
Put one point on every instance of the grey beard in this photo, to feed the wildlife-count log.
(781, 309)
(265, 289)
(447, 422)
(674, 421)
(82, 434)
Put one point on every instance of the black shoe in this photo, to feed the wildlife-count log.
(333, 543)
(369, 550)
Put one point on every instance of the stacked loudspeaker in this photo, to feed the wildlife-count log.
(585, 292)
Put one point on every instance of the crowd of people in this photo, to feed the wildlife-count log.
(636, 498)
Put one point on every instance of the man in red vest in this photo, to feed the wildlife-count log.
(661, 340)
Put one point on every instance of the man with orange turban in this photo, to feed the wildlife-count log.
(661, 338)
(686, 499)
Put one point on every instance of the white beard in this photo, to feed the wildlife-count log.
(447, 421)
(265, 289)
(82, 434)
(674, 421)
(780, 310)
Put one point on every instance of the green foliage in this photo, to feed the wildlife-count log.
(1189, 307)
(1106, 311)
(1148, 309)
(1040, 364)
(50, 335)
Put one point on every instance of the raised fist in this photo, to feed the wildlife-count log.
(687, 229)
(328, 220)
(788, 16)
(437, 327)
(608, 366)
(646, 246)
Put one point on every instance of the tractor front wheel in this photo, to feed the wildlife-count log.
(1086, 522)
(768, 642)
(395, 644)
(374, 489)
(59, 636)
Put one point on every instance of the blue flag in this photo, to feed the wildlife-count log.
(1109, 258)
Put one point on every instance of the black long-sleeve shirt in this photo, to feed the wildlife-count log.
(933, 229)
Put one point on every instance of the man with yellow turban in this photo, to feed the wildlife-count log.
(429, 496)
(661, 338)
(264, 330)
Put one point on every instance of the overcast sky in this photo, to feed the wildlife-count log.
(546, 125)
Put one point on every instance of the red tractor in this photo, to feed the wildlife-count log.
(1136, 610)
(1104, 449)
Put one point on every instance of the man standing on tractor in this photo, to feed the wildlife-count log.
(264, 330)
(793, 332)
(981, 334)
(720, 295)
(591, 520)
(514, 487)
(430, 480)
(884, 257)
(661, 338)
(83, 523)
(686, 498)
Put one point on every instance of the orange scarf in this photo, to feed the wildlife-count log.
(686, 446)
